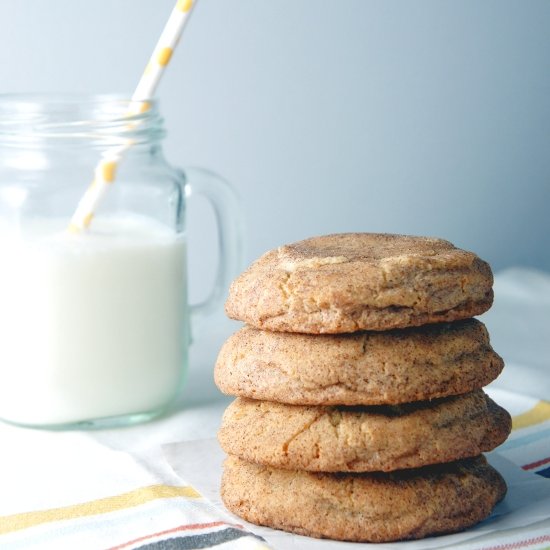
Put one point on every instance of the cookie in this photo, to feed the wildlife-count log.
(366, 368)
(363, 439)
(360, 281)
(379, 507)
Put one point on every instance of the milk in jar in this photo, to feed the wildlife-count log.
(92, 325)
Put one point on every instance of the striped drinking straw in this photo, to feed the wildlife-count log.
(105, 171)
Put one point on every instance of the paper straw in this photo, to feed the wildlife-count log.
(105, 171)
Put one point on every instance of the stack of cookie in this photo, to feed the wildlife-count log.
(359, 412)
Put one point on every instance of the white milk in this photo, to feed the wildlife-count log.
(91, 325)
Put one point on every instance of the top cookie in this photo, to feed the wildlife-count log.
(360, 281)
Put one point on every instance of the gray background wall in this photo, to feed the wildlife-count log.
(424, 117)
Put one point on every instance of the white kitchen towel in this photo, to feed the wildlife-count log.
(67, 491)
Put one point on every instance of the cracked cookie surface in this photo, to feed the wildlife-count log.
(362, 439)
(365, 368)
(376, 507)
(360, 281)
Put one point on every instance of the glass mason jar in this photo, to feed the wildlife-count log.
(94, 325)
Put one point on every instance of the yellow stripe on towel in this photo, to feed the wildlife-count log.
(105, 505)
(539, 413)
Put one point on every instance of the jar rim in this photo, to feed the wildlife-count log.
(107, 119)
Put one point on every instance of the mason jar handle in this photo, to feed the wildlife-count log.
(226, 206)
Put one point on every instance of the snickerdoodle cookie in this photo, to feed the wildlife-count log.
(360, 281)
(363, 439)
(364, 368)
(375, 507)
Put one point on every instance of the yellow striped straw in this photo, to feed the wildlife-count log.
(105, 172)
